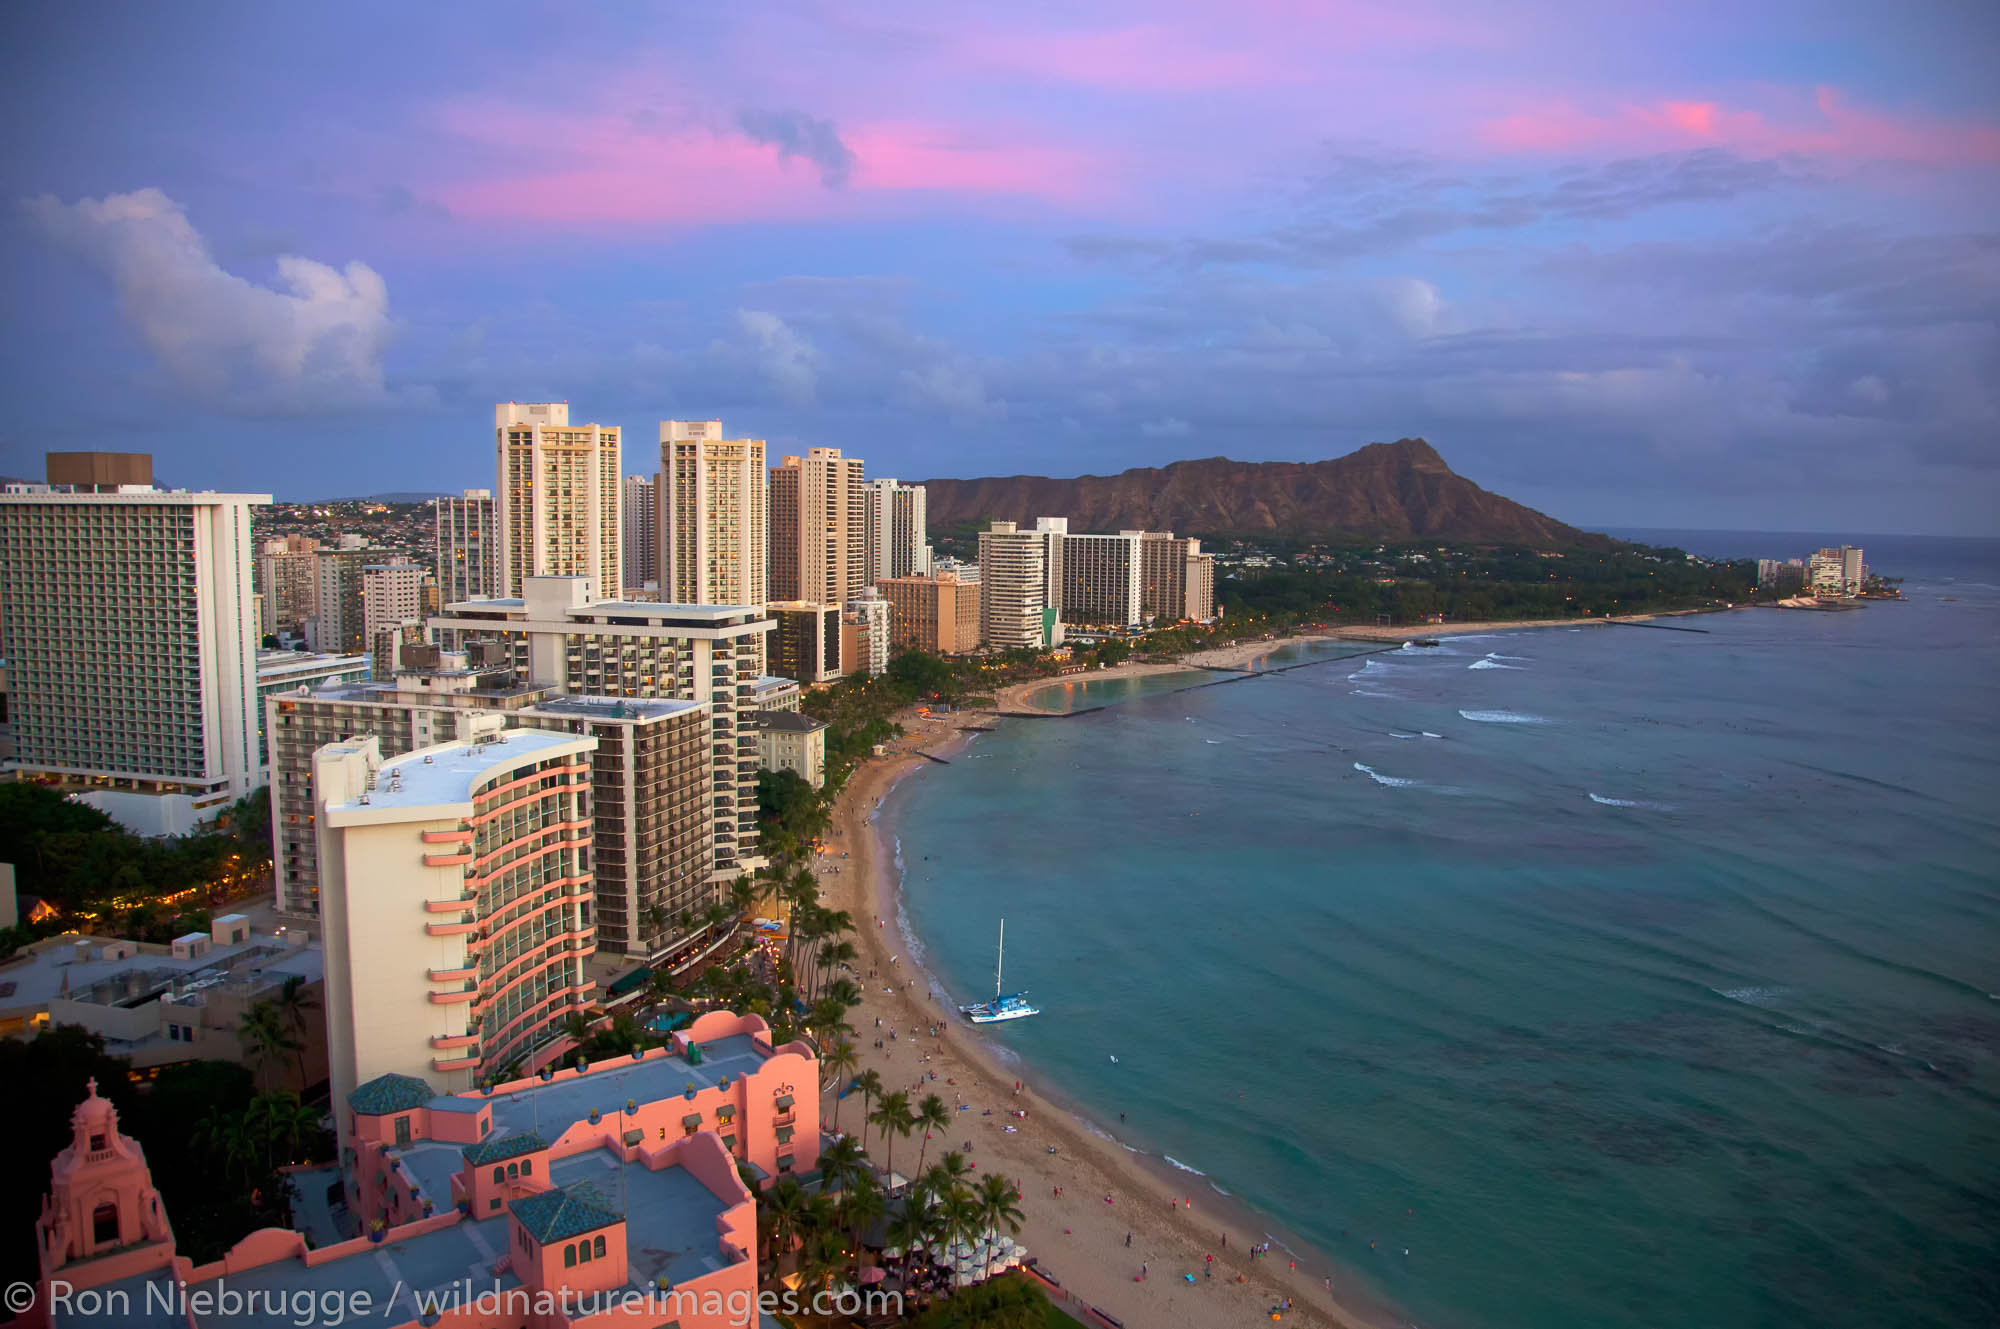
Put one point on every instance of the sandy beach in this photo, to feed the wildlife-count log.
(1076, 1236)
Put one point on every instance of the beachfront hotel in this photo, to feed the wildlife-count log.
(1020, 574)
(559, 636)
(1176, 580)
(130, 631)
(455, 902)
(557, 501)
(714, 516)
(805, 640)
(467, 546)
(937, 613)
(1102, 579)
(557, 1199)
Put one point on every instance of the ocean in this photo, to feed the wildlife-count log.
(1548, 979)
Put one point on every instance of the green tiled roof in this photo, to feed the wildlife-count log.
(502, 1147)
(569, 1211)
(390, 1093)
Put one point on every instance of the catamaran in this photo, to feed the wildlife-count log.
(1005, 1005)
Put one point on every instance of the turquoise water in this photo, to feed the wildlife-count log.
(1623, 977)
(1086, 692)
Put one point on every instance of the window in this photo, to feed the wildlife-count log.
(493, 1203)
(513, 1171)
(499, 1175)
(583, 1252)
(569, 1256)
(402, 1130)
(104, 1224)
(527, 1167)
(597, 1248)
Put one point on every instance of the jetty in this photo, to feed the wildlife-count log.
(1657, 627)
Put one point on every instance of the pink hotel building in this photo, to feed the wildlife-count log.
(615, 1186)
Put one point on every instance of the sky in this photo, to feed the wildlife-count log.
(1716, 265)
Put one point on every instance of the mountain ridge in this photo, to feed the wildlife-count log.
(1383, 492)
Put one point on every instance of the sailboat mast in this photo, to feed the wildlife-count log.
(1000, 964)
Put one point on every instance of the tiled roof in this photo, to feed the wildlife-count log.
(390, 1093)
(500, 1147)
(569, 1211)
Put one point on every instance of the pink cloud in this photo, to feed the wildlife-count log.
(1828, 126)
(582, 168)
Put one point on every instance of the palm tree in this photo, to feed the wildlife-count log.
(931, 1115)
(264, 1035)
(821, 1257)
(841, 1162)
(841, 1059)
(743, 895)
(869, 1082)
(224, 1138)
(958, 1217)
(892, 1117)
(785, 1206)
(863, 1204)
(947, 1174)
(916, 1225)
(997, 1209)
(295, 1005)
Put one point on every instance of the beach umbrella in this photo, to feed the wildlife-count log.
(1020, 1252)
(874, 1275)
(893, 1252)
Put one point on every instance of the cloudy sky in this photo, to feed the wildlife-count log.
(1717, 264)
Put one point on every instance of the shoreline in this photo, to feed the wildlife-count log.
(1076, 1237)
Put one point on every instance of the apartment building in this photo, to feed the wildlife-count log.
(1102, 579)
(864, 634)
(804, 641)
(937, 613)
(129, 628)
(558, 498)
(640, 508)
(456, 905)
(1016, 581)
(393, 594)
(467, 547)
(288, 671)
(789, 741)
(1177, 580)
(340, 627)
(288, 575)
(714, 516)
(819, 551)
(562, 637)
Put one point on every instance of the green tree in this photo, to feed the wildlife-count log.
(892, 1117)
(931, 1117)
(839, 1061)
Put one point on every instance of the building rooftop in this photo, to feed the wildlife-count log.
(276, 664)
(790, 721)
(53, 971)
(565, 1211)
(559, 1104)
(772, 683)
(614, 708)
(448, 773)
(390, 1093)
(670, 1216)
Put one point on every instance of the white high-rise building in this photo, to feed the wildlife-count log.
(714, 516)
(129, 626)
(558, 499)
(818, 546)
(865, 633)
(468, 547)
(642, 539)
(1103, 579)
(895, 532)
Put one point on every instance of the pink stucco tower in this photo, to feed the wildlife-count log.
(101, 1207)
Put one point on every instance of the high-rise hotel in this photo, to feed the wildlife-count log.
(130, 630)
(713, 516)
(819, 546)
(468, 546)
(558, 501)
(456, 902)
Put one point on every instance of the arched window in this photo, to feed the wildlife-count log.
(583, 1252)
(527, 1167)
(569, 1256)
(104, 1224)
(499, 1175)
(597, 1248)
(513, 1171)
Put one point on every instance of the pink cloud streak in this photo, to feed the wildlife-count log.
(1831, 127)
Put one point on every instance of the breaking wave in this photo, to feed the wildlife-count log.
(1490, 663)
(1502, 717)
(1392, 781)
(1183, 1166)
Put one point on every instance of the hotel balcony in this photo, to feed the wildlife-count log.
(455, 997)
(455, 1063)
(458, 929)
(447, 837)
(452, 1042)
(454, 975)
(465, 901)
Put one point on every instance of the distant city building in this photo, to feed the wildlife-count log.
(864, 634)
(1837, 572)
(1015, 610)
(467, 547)
(894, 530)
(804, 641)
(641, 533)
(789, 741)
(938, 614)
(1102, 579)
(340, 626)
(392, 596)
(456, 894)
(771, 693)
(958, 567)
(559, 636)
(557, 498)
(714, 516)
(131, 642)
(653, 791)
(818, 528)
(1177, 580)
(1784, 576)
(288, 572)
